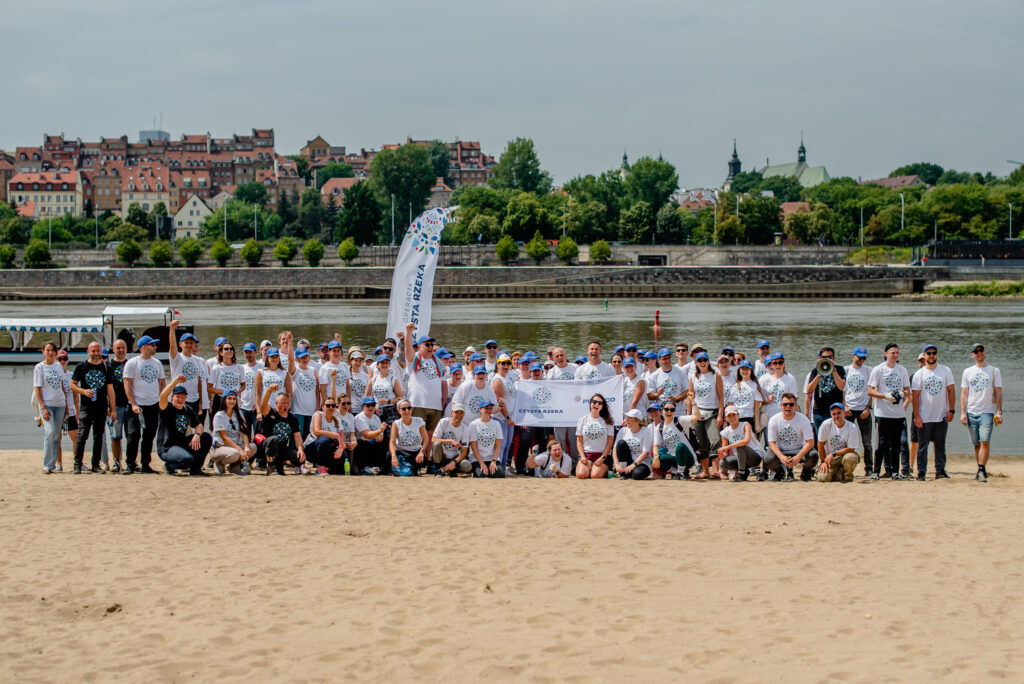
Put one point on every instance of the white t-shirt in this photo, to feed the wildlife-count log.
(425, 383)
(774, 388)
(588, 371)
(470, 396)
(69, 396)
(227, 377)
(595, 433)
(887, 380)
(382, 389)
(509, 385)
(760, 369)
(934, 404)
(979, 383)
(271, 377)
(674, 382)
(855, 394)
(362, 423)
(409, 438)
(629, 390)
(735, 435)
(360, 381)
(485, 434)
(194, 370)
(563, 466)
(445, 430)
(670, 436)
(221, 421)
(742, 395)
(304, 391)
(145, 375)
(705, 391)
(835, 438)
(49, 378)
(790, 435)
(328, 425)
(324, 378)
(247, 399)
(567, 373)
(638, 442)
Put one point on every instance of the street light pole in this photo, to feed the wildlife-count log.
(49, 236)
(1011, 219)
(225, 222)
(861, 224)
(392, 219)
(903, 210)
(97, 220)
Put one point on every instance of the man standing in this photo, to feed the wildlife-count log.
(667, 383)
(889, 386)
(934, 402)
(790, 442)
(561, 371)
(594, 367)
(426, 388)
(764, 348)
(182, 442)
(92, 381)
(858, 403)
(491, 360)
(192, 367)
(342, 374)
(143, 385)
(839, 440)
(121, 408)
(682, 349)
(981, 405)
(823, 392)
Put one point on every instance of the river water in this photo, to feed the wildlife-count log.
(798, 328)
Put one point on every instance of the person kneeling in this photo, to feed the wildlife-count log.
(550, 463)
(791, 442)
(839, 440)
(632, 451)
(739, 450)
(231, 447)
(332, 436)
(181, 442)
(282, 441)
(484, 437)
(408, 437)
(448, 449)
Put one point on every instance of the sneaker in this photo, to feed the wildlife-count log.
(372, 471)
(741, 476)
(146, 470)
(898, 476)
(198, 473)
(235, 469)
(77, 470)
(115, 467)
(941, 475)
(298, 470)
(98, 470)
(47, 471)
(920, 477)
(167, 468)
(789, 475)
(246, 468)
(981, 476)
(439, 473)
(219, 468)
(321, 470)
(874, 476)
(129, 470)
(59, 468)
(806, 475)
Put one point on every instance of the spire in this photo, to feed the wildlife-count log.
(801, 152)
(734, 162)
(625, 160)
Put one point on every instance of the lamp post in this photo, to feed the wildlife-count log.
(903, 211)
(225, 222)
(392, 219)
(1011, 219)
(861, 224)
(49, 235)
(96, 218)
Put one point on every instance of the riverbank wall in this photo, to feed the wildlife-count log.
(537, 282)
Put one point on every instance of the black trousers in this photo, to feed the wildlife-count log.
(528, 436)
(891, 432)
(370, 455)
(277, 451)
(95, 423)
(625, 456)
(142, 425)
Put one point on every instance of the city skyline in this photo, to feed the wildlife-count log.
(870, 89)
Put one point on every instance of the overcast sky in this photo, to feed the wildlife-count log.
(872, 84)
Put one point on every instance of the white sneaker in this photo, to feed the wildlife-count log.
(218, 468)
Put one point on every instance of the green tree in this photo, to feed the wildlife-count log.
(285, 209)
(15, 230)
(537, 248)
(137, 216)
(160, 253)
(240, 222)
(507, 249)
(360, 215)
(311, 212)
(251, 193)
(600, 252)
(221, 252)
(285, 250)
(700, 226)
(745, 181)
(119, 232)
(606, 189)
(129, 252)
(761, 218)
(729, 230)
(668, 226)
(7, 255)
(37, 254)
(251, 252)
(331, 211)
(301, 167)
(567, 250)
(485, 229)
(1016, 176)
(518, 168)
(636, 224)
(333, 170)
(524, 216)
(58, 235)
(928, 172)
(785, 188)
(347, 251)
(810, 227)
(440, 160)
(652, 181)
(6, 211)
(190, 250)
(407, 174)
(313, 252)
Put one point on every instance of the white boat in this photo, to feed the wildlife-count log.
(24, 338)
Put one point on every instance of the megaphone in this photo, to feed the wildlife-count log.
(825, 367)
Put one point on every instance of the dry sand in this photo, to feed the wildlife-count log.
(143, 578)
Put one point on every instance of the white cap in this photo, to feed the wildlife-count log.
(471, 349)
(731, 409)
(265, 343)
(635, 413)
(456, 406)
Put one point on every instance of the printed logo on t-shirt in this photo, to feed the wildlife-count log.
(978, 382)
(789, 437)
(635, 444)
(282, 430)
(305, 381)
(485, 436)
(593, 430)
(933, 385)
(119, 373)
(837, 442)
(855, 383)
(229, 381)
(703, 385)
(776, 390)
(825, 384)
(591, 372)
(473, 405)
(671, 388)
(893, 381)
(429, 369)
(148, 373)
(383, 389)
(95, 379)
(190, 370)
(54, 379)
(358, 386)
(181, 423)
(743, 396)
(670, 439)
(250, 377)
(408, 436)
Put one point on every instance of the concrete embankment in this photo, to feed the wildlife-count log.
(823, 282)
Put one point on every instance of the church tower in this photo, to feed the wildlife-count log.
(801, 152)
(734, 162)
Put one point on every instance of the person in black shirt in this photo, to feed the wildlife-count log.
(282, 441)
(822, 392)
(92, 381)
(116, 365)
(181, 441)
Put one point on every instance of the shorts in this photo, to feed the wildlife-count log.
(73, 423)
(979, 425)
(117, 429)
(594, 457)
(430, 416)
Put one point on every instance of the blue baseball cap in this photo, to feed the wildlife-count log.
(524, 359)
(929, 346)
(454, 367)
(424, 338)
(485, 403)
(334, 344)
(630, 346)
(664, 351)
(248, 346)
(368, 401)
(188, 336)
(861, 352)
(273, 351)
(378, 350)
(651, 356)
(654, 407)
(301, 353)
(145, 339)
(701, 355)
(763, 343)
(746, 364)
(536, 366)
(476, 357)
(629, 362)
(383, 358)
(179, 389)
(580, 359)
(230, 393)
(219, 341)
(618, 349)
(479, 368)
(490, 342)
(103, 351)
(838, 405)
(728, 349)
(777, 356)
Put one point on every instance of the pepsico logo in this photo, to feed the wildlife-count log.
(541, 396)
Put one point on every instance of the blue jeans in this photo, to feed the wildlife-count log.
(179, 458)
(980, 426)
(304, 422)
(507, 431)
(117, 429)
(51, 435)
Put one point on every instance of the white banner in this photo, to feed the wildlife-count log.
(412, 285)
(561, 403)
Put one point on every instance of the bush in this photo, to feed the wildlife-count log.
(161, 253)
(37, 254)
(58, 236)
(347, 251)
(7, 255)
(129, 251)
(537, 248)
(251, 252)
(600, 252)
(313, 252)
(567, 250)
(221, 252)
(506, 249)
(285, 250)
(190, 250)
(126, 231)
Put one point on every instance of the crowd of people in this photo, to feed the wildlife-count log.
(413, 407)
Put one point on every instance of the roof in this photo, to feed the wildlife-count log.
(27, 209)
(338, 186)
(896, 182)
(53, 324)
(807, 175)
(814, 175)
(789, 207)
(136, 311)
(45, 177)
(440, 186)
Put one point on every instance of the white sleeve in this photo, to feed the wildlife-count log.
(997, 377)
(915, 382)
(963, 379)
(773, 428)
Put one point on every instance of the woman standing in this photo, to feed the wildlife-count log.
(359, 379)
(306, 390)
(617, 363)
(226, 375)
(48, 387)
(774, 384)
(504, 386)
(384, 387)
(707, 390)
(633, 446)
(745, 395)
(595, 433)
(231, 445)
(273, 374)
(634, 388)
(408, 435)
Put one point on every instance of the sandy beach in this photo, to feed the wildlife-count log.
(159, 578)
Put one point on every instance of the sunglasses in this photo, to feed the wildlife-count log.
(505, 363)
(830, 358)
(616, 361)
(787, 404)
(668, 410)
(388, 348)
(373, 404)
(595, 402)
(931, 353)
(702, 361)
(681, 349)
(729, 353)
(227, 349)
(491, 346)
(405, 408)
(330, 406)
(777, 363)
(426, 344)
